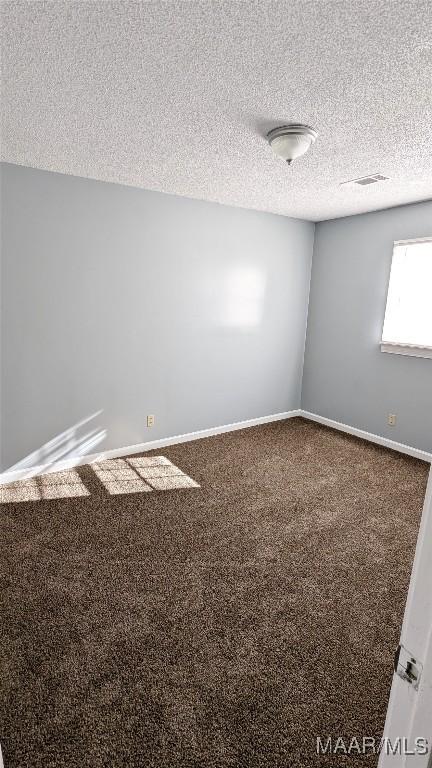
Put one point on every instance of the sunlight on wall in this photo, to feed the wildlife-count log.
(141, 474)
(245, 291)
(57, 485)
(73, 442)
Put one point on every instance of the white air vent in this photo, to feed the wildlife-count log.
(363, 181)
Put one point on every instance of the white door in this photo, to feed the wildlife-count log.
(409, 717)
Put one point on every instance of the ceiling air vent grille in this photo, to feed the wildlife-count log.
(364, 181)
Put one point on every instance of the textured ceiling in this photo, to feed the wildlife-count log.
(177, 96)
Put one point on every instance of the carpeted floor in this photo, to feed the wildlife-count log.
(226, 625)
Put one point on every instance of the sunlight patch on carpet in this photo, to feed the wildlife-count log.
(55, 485)
(118, 476)
(142, 474)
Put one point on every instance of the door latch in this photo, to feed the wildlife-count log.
(407, 667)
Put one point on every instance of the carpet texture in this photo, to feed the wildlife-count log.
(225, 625)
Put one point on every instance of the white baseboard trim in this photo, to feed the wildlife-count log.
(115, 453)
(372, 438)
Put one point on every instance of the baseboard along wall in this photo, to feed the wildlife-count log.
(114, 453)
(409, 450)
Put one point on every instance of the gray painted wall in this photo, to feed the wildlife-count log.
(346, 376)
(135, 303)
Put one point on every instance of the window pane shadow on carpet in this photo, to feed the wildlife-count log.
(144, 473)
(131, 475)
(55, 485)
(226, 627)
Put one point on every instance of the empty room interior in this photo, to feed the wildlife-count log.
(216, 384)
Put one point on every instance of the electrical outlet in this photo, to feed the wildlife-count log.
(150, 421)
(392, 419)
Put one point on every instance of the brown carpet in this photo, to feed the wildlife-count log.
(226, 625)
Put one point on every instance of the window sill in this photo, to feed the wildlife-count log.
(406, 349)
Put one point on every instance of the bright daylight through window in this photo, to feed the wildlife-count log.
(408, 316)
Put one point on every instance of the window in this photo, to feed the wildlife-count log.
(408, 316)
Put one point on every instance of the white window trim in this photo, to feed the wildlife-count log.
(396, 348)
(412, 241)
(406, 349)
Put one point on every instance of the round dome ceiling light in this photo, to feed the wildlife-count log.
(291, 141)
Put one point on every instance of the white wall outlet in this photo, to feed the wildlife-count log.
(150, 420)
(392, 419)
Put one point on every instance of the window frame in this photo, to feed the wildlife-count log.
(397, 348)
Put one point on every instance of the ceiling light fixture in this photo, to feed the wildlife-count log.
(291, 141)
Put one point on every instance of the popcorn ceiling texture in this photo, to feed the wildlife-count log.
(178, 96)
